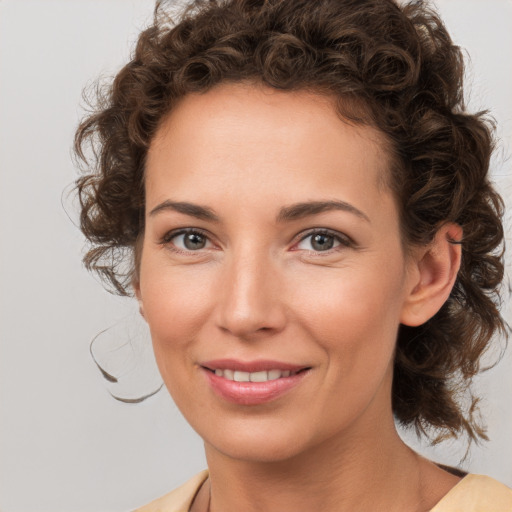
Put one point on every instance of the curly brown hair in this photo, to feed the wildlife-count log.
(395, 68)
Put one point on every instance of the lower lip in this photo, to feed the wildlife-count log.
(252, 393)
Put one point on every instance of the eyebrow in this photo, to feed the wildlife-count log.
(301, 210)
(286, 214)
(191, 209)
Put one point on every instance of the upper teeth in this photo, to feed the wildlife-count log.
(262, 376)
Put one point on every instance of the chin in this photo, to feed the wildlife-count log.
(266, 451)
(259, 443)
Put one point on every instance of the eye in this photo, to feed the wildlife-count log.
(322, 241)
(187, 240)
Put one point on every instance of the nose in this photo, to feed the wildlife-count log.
(251, 300)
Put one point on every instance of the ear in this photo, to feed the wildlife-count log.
(432, 275)
(138, 296)
(136, 274)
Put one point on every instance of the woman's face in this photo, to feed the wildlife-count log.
(272, 275)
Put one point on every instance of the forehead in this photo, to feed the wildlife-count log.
(253, 138)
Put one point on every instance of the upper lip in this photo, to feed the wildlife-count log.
(251, 366)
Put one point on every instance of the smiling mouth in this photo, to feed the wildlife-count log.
(255, 387)
(259, 376)
(252, 382)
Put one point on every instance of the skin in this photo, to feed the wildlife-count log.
(259, 289)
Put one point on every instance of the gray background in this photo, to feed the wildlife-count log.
(65, 443)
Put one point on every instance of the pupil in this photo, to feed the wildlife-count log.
(194, 241)
(322, 242)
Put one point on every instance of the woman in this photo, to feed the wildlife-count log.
(304, 208)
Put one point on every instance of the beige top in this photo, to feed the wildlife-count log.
(474, 493)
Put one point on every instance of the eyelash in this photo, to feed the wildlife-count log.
(344, 240)
(166, 239)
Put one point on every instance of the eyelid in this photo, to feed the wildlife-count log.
(165, 240)
(344, 240)
(180, 231)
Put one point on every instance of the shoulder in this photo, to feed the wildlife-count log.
(178, 500)
(476, 493)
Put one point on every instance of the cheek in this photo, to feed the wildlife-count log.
(350, 299)
(354, 317)
(176, 306)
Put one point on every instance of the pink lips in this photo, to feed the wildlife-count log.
(252, 393)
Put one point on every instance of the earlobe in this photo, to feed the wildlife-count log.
(435, 271)
(138, 296)
(141, 310)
